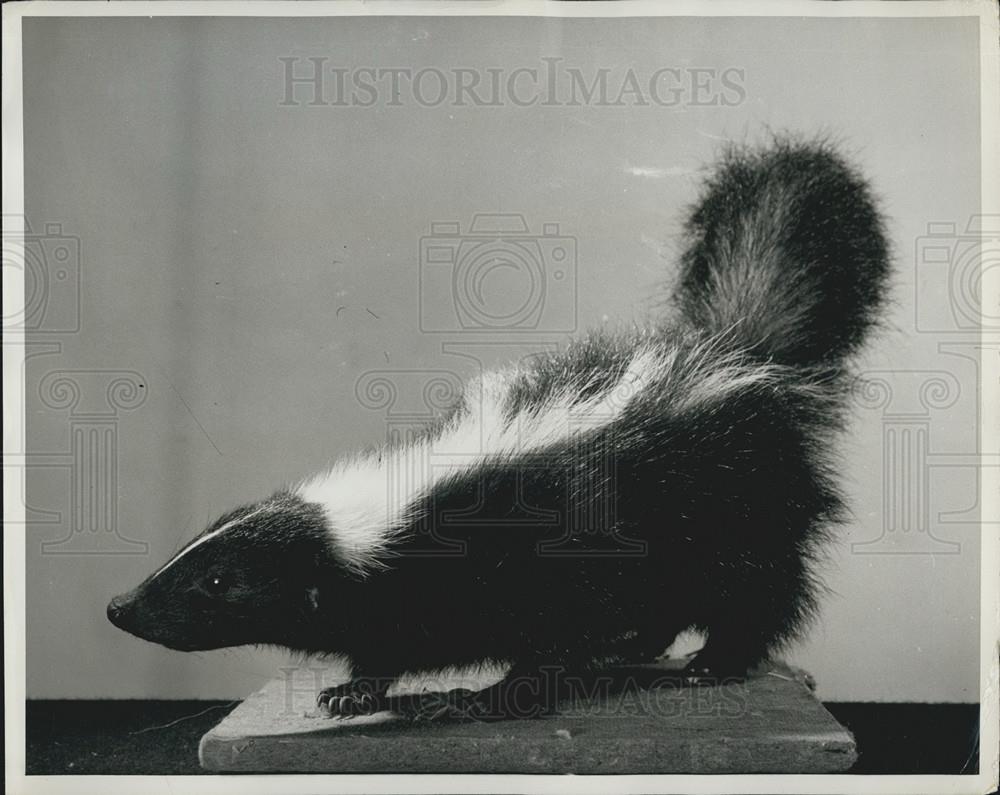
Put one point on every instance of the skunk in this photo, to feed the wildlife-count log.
(587, 505)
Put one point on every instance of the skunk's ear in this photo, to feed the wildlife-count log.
(312, 596)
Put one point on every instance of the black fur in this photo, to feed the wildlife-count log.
(255, 587)
(788, 250)
(698, 506)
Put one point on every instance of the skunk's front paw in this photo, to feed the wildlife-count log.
(347, 701)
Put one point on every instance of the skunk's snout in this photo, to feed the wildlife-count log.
(119, 609)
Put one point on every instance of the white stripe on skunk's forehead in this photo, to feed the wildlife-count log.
(369, 499)
(210, 535)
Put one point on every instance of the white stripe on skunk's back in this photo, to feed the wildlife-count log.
(369, 498)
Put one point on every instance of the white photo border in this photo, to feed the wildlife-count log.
(14, 419)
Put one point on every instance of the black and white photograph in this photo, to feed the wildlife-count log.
(505, 397)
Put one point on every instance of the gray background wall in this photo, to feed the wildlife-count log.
(243, 264)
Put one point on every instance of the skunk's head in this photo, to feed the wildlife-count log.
(251, 577)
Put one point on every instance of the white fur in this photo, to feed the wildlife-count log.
(716, 377)
(368, 499)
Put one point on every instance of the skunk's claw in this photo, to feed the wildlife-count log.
(343, 702)
(699, 677)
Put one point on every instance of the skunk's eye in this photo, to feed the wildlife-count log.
(216, 584)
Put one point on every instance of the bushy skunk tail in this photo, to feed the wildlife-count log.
(786, 255)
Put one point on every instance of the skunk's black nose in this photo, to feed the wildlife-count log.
(116, 611)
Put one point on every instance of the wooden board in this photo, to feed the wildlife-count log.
(643, 723)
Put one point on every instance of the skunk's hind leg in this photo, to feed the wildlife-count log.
(646, 644)
(727, 656)
(755, 618)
